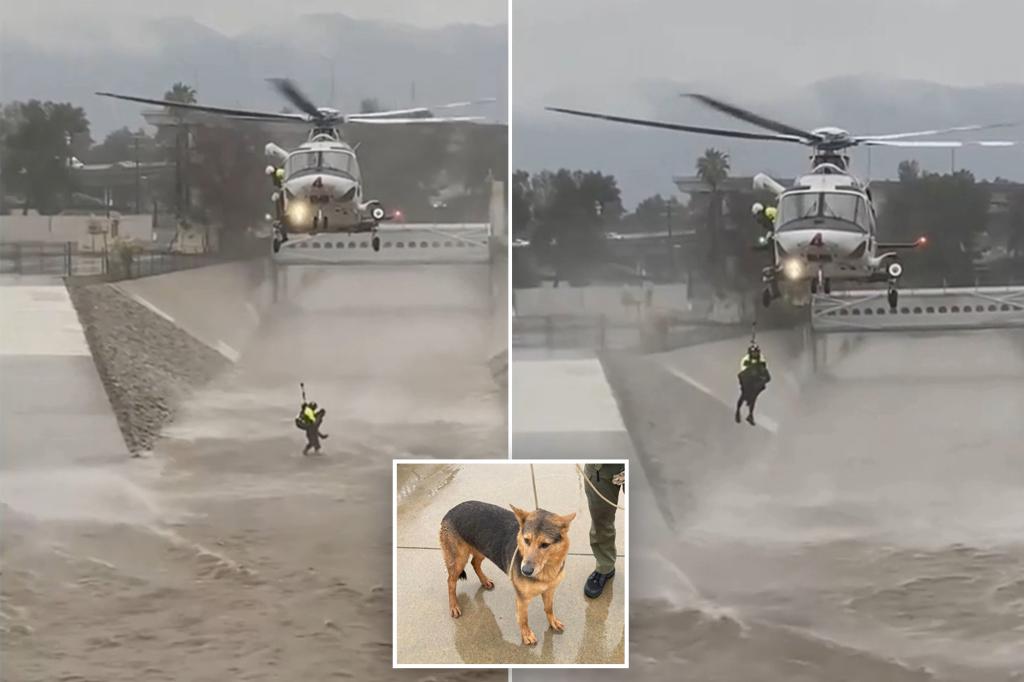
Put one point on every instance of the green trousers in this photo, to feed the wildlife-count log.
(602, 514)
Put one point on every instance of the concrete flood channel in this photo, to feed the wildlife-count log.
(869, 528)
(222, 552)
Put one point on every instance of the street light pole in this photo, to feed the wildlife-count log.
(138, 179)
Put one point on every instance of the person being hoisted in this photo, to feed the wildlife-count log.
(309, 420)
(754, 377)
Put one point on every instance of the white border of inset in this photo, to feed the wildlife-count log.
(500, 666)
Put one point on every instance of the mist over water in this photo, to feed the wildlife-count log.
(886, 513)
(224, 544)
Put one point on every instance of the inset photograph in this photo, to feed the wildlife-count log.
(511, 564)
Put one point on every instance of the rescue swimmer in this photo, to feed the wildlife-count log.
(753, 377)
(309, 420)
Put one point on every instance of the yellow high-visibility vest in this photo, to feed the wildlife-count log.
(746, 362)
(309, 414)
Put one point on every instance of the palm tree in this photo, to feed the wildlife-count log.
(713, 169)
(181, 92)
(909, 171)
(186, 94)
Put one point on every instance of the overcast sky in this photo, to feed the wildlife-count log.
(589, 51)
(52, 21)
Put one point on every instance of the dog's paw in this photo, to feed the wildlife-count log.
(456, 612)
(556, 624)
(529, 639)
(487, 585)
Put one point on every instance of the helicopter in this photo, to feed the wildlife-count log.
(318, 186)
(825, 226)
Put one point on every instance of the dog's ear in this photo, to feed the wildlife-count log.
(564, 521)
(520, 514)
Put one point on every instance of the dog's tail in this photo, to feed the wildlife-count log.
(462, 576)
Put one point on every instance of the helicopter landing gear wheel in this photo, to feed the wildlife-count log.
(827, 286)
(814, 286)
(766, 298)
(375, 243)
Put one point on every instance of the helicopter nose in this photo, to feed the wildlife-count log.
(343, 189)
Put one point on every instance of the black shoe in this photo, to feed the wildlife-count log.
(738, 416)
(750, 419)
(595, 583)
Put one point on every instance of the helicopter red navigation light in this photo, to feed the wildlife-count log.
(922, 240)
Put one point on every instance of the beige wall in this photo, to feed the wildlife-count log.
(71, 228)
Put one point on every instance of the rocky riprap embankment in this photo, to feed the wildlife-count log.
(146, 363)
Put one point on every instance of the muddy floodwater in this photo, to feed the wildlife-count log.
(226, 554)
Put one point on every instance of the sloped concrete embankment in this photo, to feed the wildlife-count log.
(153, 340)
(498, 362)
(682, 402)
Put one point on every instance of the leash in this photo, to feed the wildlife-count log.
(594, 488)
(513, 562)
(533, 477)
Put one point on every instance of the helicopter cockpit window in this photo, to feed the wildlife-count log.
(300, 161)
(833, 210)
(340, 161)
(797, 206)
(847, 207)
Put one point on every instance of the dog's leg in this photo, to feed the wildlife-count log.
(522, 617)
(478, 561)
(549, 610)
(456, 555)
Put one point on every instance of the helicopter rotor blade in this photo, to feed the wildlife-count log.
(751, 117)
(940, 131)
(414, 120)
(291, 92)
(242, 114)
(417, 112)
(937, 144)
(685, 128)
(466, 103)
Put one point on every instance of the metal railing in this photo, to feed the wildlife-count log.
(68, 260)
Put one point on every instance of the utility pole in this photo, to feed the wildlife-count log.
(671, 242)
(138, 179)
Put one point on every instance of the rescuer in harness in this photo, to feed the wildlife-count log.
(754, 377)
(309, 420)
(280, 232)
(765, 216)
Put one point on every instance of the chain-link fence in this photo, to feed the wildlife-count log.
(67, 259)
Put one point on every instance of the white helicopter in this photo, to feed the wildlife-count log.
(824, 228)
(318, 186)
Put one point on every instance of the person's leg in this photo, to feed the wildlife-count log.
(751, 401)
(740, 401)
(602, 525)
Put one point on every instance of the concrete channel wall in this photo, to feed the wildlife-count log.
(221, 305)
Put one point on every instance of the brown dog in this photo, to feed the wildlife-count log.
(530, 547)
